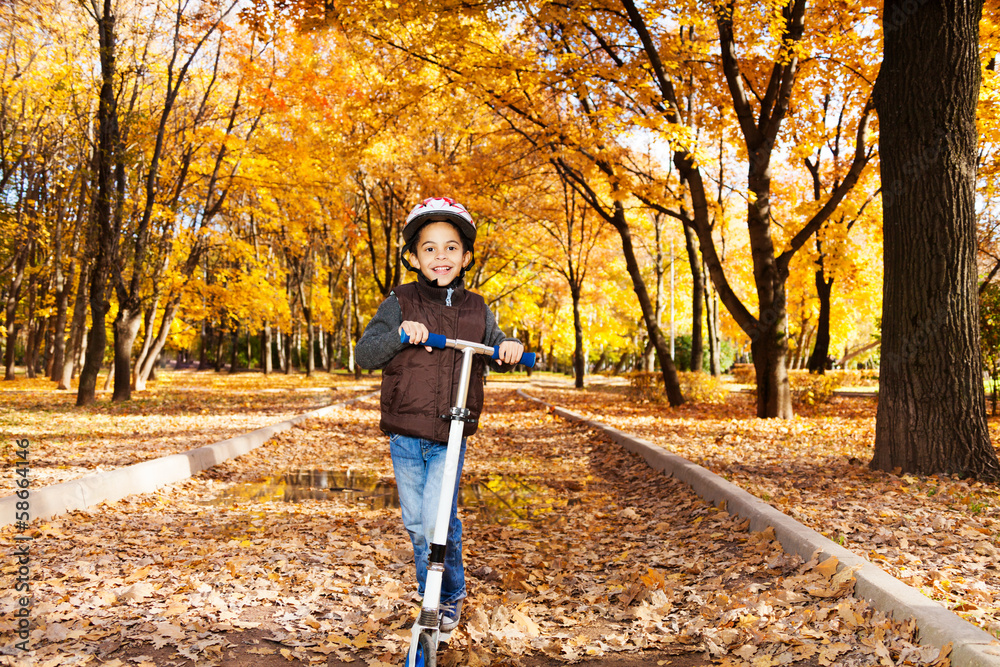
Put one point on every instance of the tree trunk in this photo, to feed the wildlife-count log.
(61, 284)
(331, 357)
(354, 325)
(42, 333)
(148, 319)
(931, 411)
(220, 346)
(125, 328)
(810, 333)
(310, 340)
(601, 360)
(295, 356)
(77, 329)
(265, 350)
(821, 350)
(234, 347)
(770, 352)
(13, 296)
(671, 384)
(206, 341)
(769, 342)
(110, 376)
(714, 343)
(288, 353)
(649, 354)
(282, 356)
(108, 138)
(31, 344)
(697, 295)
(343, 338)
(84, 342)
(67, 349)
(97, 339)
(649, 357)
(59, 331)
(50, 337)
(324, 358)
(144, 370)
(579, 359)
(995, 381)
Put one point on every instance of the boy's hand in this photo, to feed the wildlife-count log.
(417, 332)
(510, 352)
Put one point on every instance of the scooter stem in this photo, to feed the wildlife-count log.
(428, 619)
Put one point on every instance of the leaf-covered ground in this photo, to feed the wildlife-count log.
(574, 551)
(937, 533)
(181, 411)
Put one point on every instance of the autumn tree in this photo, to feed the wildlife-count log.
(258, 180)
(617, 72)
(110, 186)
(572, 231)
(203, 23)
(931, 415)
(760, 94)
(827, 142)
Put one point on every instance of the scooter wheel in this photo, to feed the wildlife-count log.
(426, 651)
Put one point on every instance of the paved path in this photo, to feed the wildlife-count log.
(584, 551)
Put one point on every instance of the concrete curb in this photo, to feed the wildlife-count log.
(49, 501)
(936, 626)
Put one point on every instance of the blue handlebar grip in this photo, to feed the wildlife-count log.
(433, 340)
(527, 358)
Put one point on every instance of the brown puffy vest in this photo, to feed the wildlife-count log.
(419, 386)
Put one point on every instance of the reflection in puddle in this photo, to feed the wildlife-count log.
(502, 499)
(510, 500)
(304, 484)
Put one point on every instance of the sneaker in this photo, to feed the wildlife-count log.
(450, 614)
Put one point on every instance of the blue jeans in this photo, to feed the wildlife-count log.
(419, 466)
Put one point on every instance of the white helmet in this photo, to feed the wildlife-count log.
(433, 209)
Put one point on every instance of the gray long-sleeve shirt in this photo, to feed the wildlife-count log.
(380, 341)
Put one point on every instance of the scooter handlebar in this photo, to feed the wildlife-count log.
(440, 342)
(433, 340)
(527, 358)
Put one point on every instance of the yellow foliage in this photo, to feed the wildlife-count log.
(696, 387)
(702, 387)
(810, 389)
(858, 378)
(646, 386)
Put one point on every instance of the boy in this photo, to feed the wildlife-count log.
(418, 383)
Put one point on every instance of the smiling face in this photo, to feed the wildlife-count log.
(438, 253)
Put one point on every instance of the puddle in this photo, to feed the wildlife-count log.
(297, 485)
(509, 500)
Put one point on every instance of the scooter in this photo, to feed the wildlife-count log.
(426, 635)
